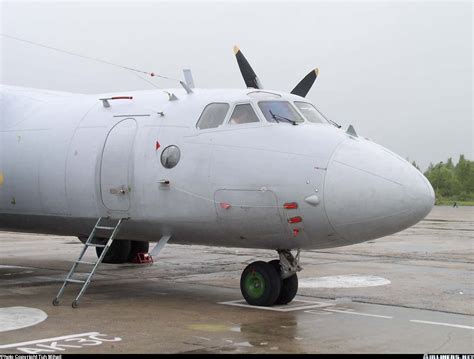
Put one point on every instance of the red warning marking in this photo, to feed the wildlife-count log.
(157, 145)
(296, 232)
(121, 98)
(292, 205)
(225, 205)
(296, 219)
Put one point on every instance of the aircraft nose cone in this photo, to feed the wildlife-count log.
(371, 192)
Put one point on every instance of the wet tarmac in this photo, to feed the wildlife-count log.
(411, 292)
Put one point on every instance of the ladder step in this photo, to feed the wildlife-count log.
(105, 243)
(75, 281)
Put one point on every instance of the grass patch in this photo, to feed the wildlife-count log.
(450, 202)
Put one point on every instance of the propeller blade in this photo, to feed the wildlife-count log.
(305, 85)
(250, 78)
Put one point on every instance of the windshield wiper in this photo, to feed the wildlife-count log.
(282, 118)
(335, 123)
(330, 121)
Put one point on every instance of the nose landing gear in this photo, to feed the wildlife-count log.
(275, 282)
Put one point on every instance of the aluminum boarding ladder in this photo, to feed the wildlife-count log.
(89, 243)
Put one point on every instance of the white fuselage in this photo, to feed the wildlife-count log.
(66, 160)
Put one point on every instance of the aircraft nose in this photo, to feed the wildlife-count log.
(371, 192)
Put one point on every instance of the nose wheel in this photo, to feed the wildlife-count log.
(288, 287)
(275, 282)
(260, 284)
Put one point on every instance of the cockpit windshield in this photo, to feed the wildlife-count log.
(310, 112)
(280, 112)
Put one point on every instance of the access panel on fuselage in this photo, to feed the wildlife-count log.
(249, 213)
(116, 166)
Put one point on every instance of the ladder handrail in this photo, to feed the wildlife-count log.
(87, 244)
(99, 260)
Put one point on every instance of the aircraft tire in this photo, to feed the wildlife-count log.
(289, 286)
(260, 284)
(118, 252)
(137, 247)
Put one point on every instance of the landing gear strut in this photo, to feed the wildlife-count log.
(275, 282)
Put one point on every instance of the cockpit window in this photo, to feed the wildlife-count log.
(213, 115)
(280, 112)
(310, 112)
(243, 114)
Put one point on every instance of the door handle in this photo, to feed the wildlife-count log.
(121, 190)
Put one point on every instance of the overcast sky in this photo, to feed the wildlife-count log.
(400, 72)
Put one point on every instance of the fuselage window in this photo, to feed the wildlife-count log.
(243, 114)
(280, 112)
(310, 112)
(213, 115)
(170, 156)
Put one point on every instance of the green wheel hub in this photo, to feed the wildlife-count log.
(260, 284)
(254, 284)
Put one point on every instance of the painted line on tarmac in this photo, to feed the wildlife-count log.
(12, 318)
(303, 305)
(47, 340)
(389, 317)
(359, 313)
(443, 324)
(317, 312)
(60, 344)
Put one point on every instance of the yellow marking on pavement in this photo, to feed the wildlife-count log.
(210, 327)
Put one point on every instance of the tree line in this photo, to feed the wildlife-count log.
(452, 182)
